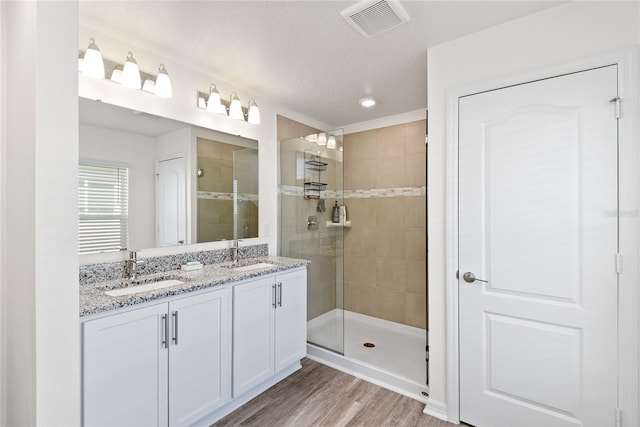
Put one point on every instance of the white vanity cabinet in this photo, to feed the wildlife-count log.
(166, 364)
(269, 327)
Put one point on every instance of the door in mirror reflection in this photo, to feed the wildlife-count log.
(171, 202)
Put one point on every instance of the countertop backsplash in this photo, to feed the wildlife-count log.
(93, 273)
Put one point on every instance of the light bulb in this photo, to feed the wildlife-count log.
(163, 83)
(235, 108)
(214, 105)
(93, 65)
(131, 73)
(253, 115)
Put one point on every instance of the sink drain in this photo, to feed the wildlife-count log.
(369, 344)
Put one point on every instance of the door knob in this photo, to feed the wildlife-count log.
(469, 277)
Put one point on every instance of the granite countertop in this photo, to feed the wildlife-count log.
(93, 299)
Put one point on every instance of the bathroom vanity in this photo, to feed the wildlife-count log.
(194, 350)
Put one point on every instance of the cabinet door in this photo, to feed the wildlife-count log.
(291, 319)
(253, 334)
(199, 356)
(125, 369)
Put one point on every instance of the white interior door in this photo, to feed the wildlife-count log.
(171, 203)
(538, 223)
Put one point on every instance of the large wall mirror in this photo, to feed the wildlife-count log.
(148, 181)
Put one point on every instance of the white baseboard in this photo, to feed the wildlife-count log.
(436, 409)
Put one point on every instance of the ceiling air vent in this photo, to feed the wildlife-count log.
(374, 17)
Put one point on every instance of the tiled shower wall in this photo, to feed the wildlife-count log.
(385, 250)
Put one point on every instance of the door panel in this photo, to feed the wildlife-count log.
(171, 202)
(537, 176)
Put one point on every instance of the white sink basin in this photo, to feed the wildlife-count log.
(253, 266)
(153, 286)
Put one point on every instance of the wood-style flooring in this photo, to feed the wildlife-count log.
(318, 395)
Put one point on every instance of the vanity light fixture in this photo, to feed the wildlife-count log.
(92, 63)
(163, 83)
(322, 139)
(116, 74)
(131, 73)
(214, 104)
(235, 107)
(367, 102)
(331, 142)
(149, 86)
(253, 116)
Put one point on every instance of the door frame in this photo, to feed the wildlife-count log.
(629, 237)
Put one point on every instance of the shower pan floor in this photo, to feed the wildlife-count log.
(398, 353)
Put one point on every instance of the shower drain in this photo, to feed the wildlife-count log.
(369, 344)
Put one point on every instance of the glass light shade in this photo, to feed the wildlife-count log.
(116, 74)
(322, 138)
(149, 86)
(163, 83)
(202, 103)
(235, 108)
(253, 116)
(214, 105)
(93, 65)
(331, 142)
(131, 73)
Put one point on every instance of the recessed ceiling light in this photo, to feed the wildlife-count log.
(367, 102)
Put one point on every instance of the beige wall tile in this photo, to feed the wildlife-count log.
(390, 142)
(363, 174)
(363, 271)
(390, 211)
(389, 173)
(391, 273)
(416, 310)
(391, 305)
(415, 137)
(359, 146)
(415, 174)
(415, 242)
(415, 212)
(390, 242)
(347, 296)
(417, 277)
(364, 300)
(361, 212)
(362, 240)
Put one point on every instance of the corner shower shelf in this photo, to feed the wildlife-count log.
(346, 224)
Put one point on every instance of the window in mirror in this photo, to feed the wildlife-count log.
(103, 201)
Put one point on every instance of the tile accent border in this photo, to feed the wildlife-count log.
(293, 190)
(214, 195)
(92, 273)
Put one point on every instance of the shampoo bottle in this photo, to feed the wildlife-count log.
(335, 213)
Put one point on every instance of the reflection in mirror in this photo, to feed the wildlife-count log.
(166, 202)
(227, 190)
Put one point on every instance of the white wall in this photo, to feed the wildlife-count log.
(41, 375)
(138, 154)
(186, 82)
(568, 31)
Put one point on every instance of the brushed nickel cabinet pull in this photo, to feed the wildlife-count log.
(165, 331)
(280, 294)
(175, 327)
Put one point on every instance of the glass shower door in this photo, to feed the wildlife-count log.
(311, 185)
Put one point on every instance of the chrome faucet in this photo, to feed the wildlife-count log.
(131, 270)
(235, 251)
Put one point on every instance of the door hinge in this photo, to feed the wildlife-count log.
(618, 263)
(618, 417)
(618, 102)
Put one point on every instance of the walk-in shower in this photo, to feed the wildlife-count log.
(341, 330)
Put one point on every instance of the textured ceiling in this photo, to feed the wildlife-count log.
(303, 54)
